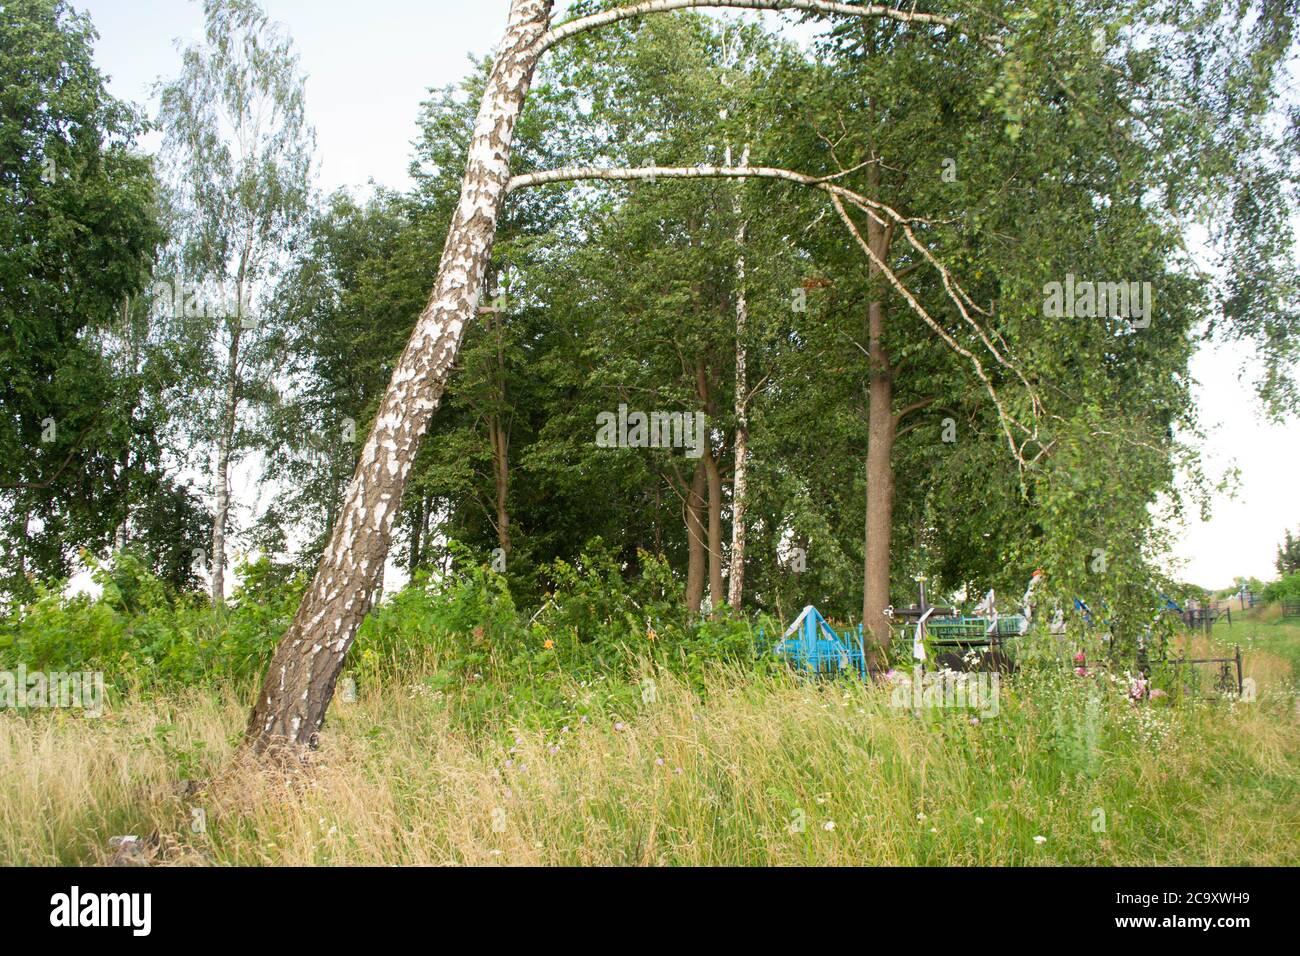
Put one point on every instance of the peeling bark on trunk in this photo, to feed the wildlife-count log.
(290, 707)
(739, 488)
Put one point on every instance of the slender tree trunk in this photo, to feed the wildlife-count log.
(498, 436)
(22, 551)
(880, 491)
(695, 565)
(299, 684)
(717, 592)
(417, 534)
(739, 492)
(225, 440)
(739, 488)
(713, 480)
(121, 536)
(499, 439)
(501, 478)
(426, 529)
(658, 522)
(881, 426)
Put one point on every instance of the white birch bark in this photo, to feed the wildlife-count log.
(736, 573)
(225, 440)
(300, 681)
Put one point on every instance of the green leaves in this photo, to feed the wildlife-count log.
(78, 230)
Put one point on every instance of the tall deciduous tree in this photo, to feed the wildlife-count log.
(78, 231)
(238, 151)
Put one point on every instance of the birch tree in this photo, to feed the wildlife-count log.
(300, 681)
(238, 153)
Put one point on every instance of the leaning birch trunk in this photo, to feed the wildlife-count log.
(299, 683)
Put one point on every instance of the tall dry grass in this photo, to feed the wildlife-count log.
(747, 771)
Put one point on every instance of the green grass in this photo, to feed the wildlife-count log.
(1270, 644)
(733, 769)
(480, 735)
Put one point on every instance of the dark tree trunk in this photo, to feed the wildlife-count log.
(417, 535)
(880, 493)
(881, 430)
(695, 566)
(499, 435)
(500, 479)
(713, 480)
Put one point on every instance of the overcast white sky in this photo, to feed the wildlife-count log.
(369, 65)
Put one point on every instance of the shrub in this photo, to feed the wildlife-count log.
(142, 635)
(1285, 589)
(601, 631)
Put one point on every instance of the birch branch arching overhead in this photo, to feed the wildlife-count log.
(878, 210)
(827, 8)
(299, 682)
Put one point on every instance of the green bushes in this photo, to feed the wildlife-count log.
(1285, 589)
(599, 630)
(142, 636)
(602, 634)
(601, 627)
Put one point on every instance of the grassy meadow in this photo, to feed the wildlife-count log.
(733, 767)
